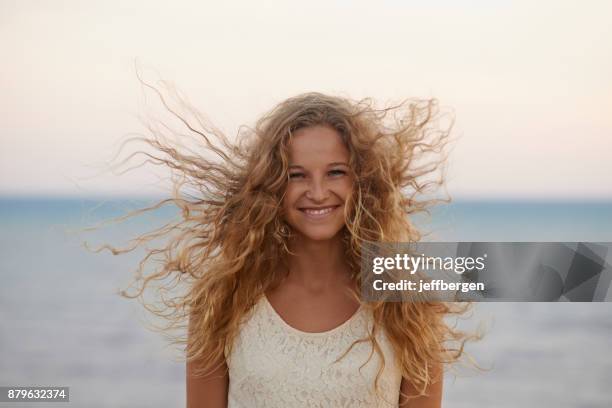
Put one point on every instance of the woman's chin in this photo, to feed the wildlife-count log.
(318, 235)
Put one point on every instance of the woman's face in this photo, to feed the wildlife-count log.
(320, 182)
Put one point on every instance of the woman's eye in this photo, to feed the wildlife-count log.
(333, 173)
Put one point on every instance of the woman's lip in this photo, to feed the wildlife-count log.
(319, 208)
(308, 211)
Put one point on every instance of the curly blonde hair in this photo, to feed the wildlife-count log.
(226, 247)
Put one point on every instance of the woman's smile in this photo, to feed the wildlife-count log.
(317, 213)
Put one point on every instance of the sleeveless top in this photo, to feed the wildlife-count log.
(273, 364)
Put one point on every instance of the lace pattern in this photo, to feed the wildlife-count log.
(275, 365)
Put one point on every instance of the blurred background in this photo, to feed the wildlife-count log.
(527, 82)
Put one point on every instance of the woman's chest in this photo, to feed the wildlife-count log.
(272, 364)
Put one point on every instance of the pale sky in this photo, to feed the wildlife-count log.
(529, 82)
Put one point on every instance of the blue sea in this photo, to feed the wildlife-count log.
(62, 323)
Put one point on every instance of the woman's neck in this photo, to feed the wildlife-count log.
(317, 265)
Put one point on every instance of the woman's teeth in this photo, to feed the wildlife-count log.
(318, 212)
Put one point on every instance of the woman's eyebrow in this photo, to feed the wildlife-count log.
(297, 166)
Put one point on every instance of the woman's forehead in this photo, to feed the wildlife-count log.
(317, 143)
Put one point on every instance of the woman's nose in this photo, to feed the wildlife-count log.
(317, 190)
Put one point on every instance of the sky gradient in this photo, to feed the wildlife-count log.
(528, 82)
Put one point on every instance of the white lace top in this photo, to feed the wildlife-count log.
(275, 365)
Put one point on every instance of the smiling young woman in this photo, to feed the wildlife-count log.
(270, 252)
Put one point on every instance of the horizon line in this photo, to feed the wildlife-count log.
(147, 197)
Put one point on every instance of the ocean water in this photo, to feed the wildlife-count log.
(63, 324)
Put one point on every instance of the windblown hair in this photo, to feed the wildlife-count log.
(229, 242)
